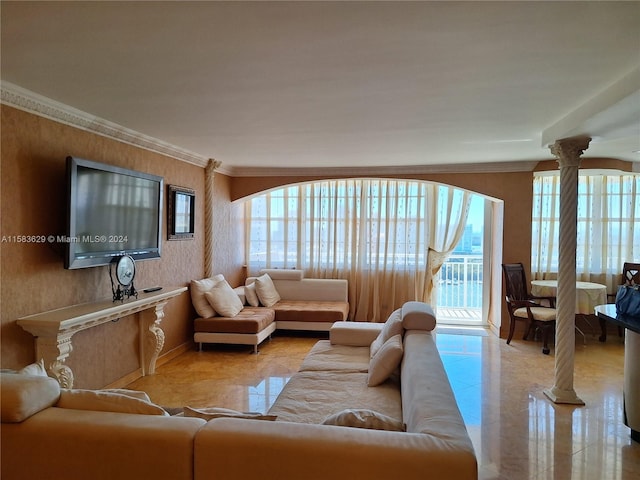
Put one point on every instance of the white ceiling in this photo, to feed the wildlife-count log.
(268, 85)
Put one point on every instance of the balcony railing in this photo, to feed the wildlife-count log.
(459, 289)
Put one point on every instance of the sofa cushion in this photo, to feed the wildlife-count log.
(198, 288)
(385, 361)
(311, 396)
(224, 300)
(363, 418)
(25, 395)
(418, 316)
(354, 334)
(106, 401)
(249, 320)
(324, 356)
(393, 326)
(209, 413)
(266, 291)
(310, 311)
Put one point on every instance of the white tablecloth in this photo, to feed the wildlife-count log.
(588, 294)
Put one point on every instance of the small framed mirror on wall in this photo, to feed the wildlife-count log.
(181, 213)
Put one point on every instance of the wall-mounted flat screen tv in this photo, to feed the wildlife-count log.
(111, 211)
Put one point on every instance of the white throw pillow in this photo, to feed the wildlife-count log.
(393, 326)
(105, 401)
(363, 418)
(266, 291)
(251, 295)
(36, 368)
(209, 413)
(224, 300)
(385, 361)
(198, 289)
(26, 395)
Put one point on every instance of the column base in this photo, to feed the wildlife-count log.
(557, 395)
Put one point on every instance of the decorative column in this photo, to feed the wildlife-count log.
(209, 190)
(568, 151)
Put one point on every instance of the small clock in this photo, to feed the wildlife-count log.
(125, 272)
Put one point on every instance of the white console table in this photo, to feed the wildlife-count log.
(53, 329)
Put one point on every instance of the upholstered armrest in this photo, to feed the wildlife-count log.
(63, 443)
(234, 448)
(354, 334)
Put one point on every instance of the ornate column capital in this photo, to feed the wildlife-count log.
(213, 164)
(568, 150)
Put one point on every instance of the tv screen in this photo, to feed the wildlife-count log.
(112, 211)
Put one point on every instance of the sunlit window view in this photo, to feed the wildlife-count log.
(391, 232)
(608, 225)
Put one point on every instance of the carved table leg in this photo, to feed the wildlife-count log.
(55, 351)
(151, 338)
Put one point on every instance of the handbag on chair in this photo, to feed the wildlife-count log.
(628, 300)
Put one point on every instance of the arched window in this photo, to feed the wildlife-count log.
(389, 238)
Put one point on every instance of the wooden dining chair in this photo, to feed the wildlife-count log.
(630, 273)
(523, 306)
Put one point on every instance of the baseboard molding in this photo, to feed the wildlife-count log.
(176, 352)
(163, 359)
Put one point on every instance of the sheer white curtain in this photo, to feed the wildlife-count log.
(388, 238)
(608, 225)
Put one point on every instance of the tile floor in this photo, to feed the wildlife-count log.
(517, 432)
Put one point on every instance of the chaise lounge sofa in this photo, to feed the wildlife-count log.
(277, 299)
(346, 414)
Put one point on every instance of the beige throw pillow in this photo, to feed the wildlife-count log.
(224, 300)
(393, 326)
(385, 361)
(209, 413)
(251, 295)
(129, 393)
(36, 368)
(198, 289)
(105, 401)
(363, 418)
(26, 395)
(266, 291)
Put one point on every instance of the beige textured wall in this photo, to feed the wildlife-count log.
(33, 280)
(228, 233)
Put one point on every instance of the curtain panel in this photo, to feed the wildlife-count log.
(608, 232)
(388, 238)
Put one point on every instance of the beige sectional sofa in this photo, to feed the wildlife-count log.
(293, 303)
(333, 382)
(410, 425)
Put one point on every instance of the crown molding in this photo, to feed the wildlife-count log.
(28, 101)
(392, 171)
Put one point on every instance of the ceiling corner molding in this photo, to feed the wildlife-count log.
(28, 101)
(492, 167)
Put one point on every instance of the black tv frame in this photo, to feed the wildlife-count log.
(107, 256)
